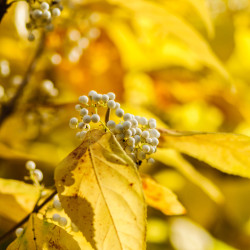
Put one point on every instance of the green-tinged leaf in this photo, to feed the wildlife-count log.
(43, 235)
(229, 153)
(17, 199)
(101, 191)
(173, 158)
(161, 198)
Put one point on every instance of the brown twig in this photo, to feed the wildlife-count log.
(35, 210)
(8, 108)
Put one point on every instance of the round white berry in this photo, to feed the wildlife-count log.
(133, 130)
(129, 149)
(134, 123)
(62, 221)
(111, 96)
(31, 37)
(83, 99)
(127, 125)
(152, 150)
(120, 136)
(152, 123)
(44, 6)
(119, 128)
(37, 13)
(95, 118)
(91, 93)
(84, 112)
(47, 14)
(81, 125)
(155, 141)
(86, 119)
(30, 165)
(56, 217)
(19, 231)
(56, 12)
(131, 141)
(81, 135)
(145, 134)
(111, 124)
(132, 156)
(96, 97)
(117, 105)
(138, 131)
(127, 117)
(146, 148)
(57, 204)
(137, 139)
(149, 140)
(137, 118)
(141, 155)
(73, 122)
(151, 160)
(78, 107)
(39, 174)
(154, 133)
(119, 112)
(128, 133)
(105, 98)
(143, 121)
(111, 104)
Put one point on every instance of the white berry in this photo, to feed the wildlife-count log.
(39, 174)
(119, 112)
(105, 98)
(127, 117)
(19, 231)
(111, 104)
(145, 134)
(44, 6)
(86, 119)
(83, 99)
(56, 12)
(56, 217)
(95, 118)
(111, 124)
(145, 148)
(30, 165)
(62, 221)
(57, 204)
(127, 125)
(111, 96)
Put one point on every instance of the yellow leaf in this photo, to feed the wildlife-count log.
(18, 198)
(43, 235)
(101, 191)
(173, 158)
(229, 153)
(161, 198)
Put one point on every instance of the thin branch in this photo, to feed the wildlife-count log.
(35, 210)
(9, 108)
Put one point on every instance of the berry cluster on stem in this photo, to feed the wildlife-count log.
(137, 135)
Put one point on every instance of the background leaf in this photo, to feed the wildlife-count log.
(161, 198)
(229, 153)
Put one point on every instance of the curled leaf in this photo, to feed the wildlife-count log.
(161, 198)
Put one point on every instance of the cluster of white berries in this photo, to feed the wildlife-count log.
(41, 16)
(35, 174)
(62, 221)
(137, 135)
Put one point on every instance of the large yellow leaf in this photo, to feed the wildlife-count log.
(17, 199)
(229, 153)
(173, 158)
(161, 198)
(101, 191)
(43, 235)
